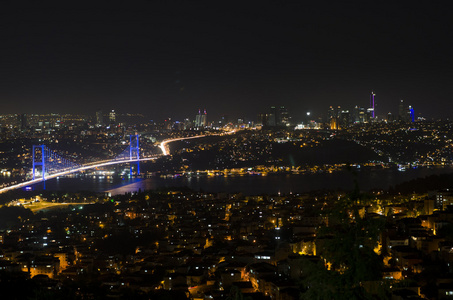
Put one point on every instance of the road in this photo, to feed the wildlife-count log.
(166, 151)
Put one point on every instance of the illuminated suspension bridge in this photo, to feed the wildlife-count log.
(48, 164)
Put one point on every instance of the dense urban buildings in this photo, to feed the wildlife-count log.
(181, 243)
(222, 150)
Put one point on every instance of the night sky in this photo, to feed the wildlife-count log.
(168, 58)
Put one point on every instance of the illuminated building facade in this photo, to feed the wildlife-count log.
(372, 108)
(201, 120)
(284, 117)
(334, 124)
(344, 118)
(112, 117)
(277, 117)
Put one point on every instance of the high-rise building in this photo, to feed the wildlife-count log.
(334, 117)
(23, 122)
(204, 119)
(369, 115)
(372, 108)
(263, 119)
(112, 117)
(411, 114)
(198, 119)
(274, 117)
(201, 119)
(405, 113)
(358, 115)
(167, 124)
(344, 119)
(400, 110)
(187, 123)
(334, 124)
(284, 116)
(99, 118)
(278, 116)
(330, 113)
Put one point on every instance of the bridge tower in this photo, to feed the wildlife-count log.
(39, 159)
(134, 151)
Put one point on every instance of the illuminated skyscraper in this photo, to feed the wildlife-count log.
(331, 113)
(401, 111)
(344, 119)
(411, 114)
(284, 117)
(198, 119)
(334, 124)
(358, 115)
(201, 119)
(112, 117)
(372, 108)
(278, 116)
(369, 115)
(334, 117)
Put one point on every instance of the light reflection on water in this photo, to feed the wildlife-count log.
(249, 185)
(272, 184)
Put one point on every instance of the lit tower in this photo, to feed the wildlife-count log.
(112, 117)
(134, 152)
(372, 104)
(201, 119)
(204, 119)
(198, 119)
(411, 114)
(401, 111)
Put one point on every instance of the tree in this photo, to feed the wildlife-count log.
(235, 294)
(347, 254)
(11, 216)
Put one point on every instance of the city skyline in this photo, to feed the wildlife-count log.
(201, 119)
(273, 149)
(164, 59)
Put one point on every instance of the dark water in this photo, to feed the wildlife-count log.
(249, 185)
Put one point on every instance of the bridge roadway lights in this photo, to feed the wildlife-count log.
(79, 169)
(40, 161)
